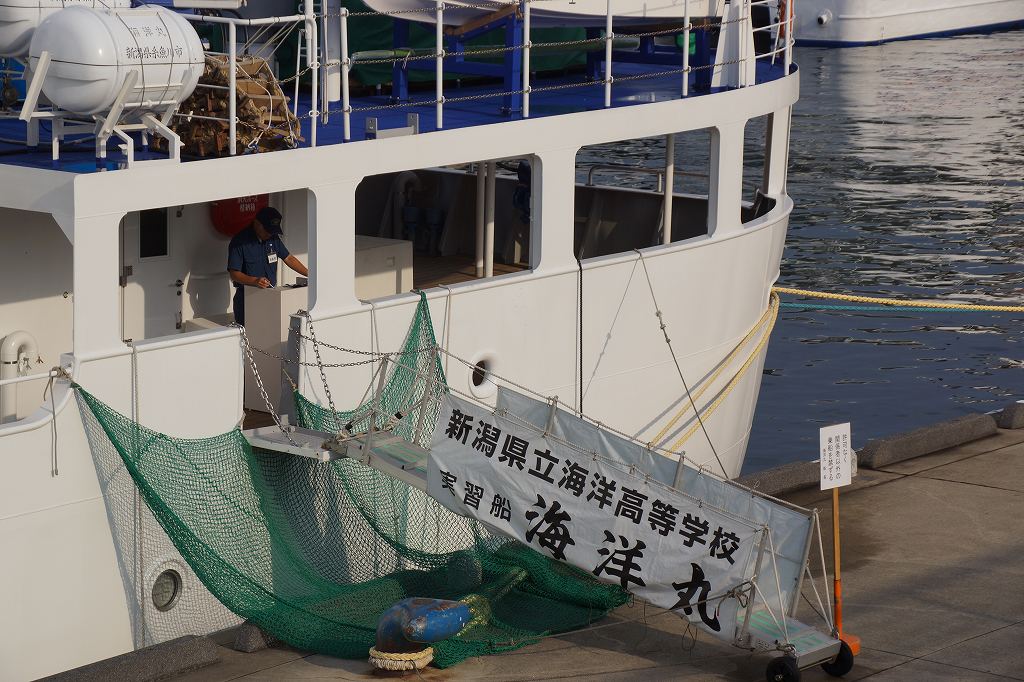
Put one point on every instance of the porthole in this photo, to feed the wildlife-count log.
(481, 376)
(480, 371)
(166, 590)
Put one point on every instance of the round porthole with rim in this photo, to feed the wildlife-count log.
(166, 590)
(481, 383)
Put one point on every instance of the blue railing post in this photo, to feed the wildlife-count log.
(513, 102)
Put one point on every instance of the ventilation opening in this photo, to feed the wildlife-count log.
(480, 371)
(166, 590)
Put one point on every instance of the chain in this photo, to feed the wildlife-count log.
(444, 54)
(375, 354)
(533, 90)
(320, 365)
(327, 365)
(259, 384)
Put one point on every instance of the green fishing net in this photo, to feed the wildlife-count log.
(313, 552)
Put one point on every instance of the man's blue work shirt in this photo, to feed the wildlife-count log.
(250, 256)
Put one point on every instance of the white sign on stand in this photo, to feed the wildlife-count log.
(836, 456)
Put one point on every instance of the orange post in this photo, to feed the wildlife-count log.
(852, 641)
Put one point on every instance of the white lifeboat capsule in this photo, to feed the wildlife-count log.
(19, 19)
(93, 51)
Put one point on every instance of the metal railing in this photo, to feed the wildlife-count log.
(317, 61)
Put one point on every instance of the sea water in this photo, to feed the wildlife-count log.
(907, 171)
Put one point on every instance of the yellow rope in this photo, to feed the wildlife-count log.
(705, 385)
(909, 304)
(773, 312)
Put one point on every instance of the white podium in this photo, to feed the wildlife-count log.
(383, 268)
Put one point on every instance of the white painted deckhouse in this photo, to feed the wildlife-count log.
(557, 278)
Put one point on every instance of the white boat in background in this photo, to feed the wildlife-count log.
(843, 23)
(551, 13)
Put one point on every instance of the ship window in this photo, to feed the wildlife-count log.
(620, 193)
(153, 234)
(755, 150)
(417, 229)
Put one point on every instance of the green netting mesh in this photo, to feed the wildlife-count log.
(315, 552)
(410, 400)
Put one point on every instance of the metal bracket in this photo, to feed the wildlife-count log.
(374, 132)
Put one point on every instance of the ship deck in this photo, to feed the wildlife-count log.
(467, 106)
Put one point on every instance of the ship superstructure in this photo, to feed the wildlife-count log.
(486, 194)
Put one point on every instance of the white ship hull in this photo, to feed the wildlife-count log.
(557, 13)
(869, 22)
(91, 550)
(82, 552)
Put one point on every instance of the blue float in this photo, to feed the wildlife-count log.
(416, 622)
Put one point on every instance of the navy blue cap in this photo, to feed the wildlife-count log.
(270, 219)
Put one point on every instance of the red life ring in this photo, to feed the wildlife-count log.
(231, 216)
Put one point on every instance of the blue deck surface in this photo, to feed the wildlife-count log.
(583, 96)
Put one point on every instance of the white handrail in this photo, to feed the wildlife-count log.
(186, 339)
(313, 63)
(789, 36)
(750, 50)
(526, 58)
(686, 48)
(346, 63)
(29, 377)
(439, 64)
(232, 85)
(608, 37)
(42, 416)
(260, 21)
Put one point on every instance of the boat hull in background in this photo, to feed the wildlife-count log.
(848, 23)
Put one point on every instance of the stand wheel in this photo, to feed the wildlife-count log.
(782, 669)
(843, 663)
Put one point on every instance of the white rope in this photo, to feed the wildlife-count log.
(137, 498)
(446, 335)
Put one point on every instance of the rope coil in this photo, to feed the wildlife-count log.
(417, 660)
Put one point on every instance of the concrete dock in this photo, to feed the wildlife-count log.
(933, 578)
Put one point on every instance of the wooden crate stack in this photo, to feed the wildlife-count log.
(265, 123)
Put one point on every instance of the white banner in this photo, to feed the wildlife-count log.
(656, 542)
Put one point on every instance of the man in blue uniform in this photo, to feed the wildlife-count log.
(253, 255)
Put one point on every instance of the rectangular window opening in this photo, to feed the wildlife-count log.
(755, 150)
(418, 229)
(153, 235)
(620, 193)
